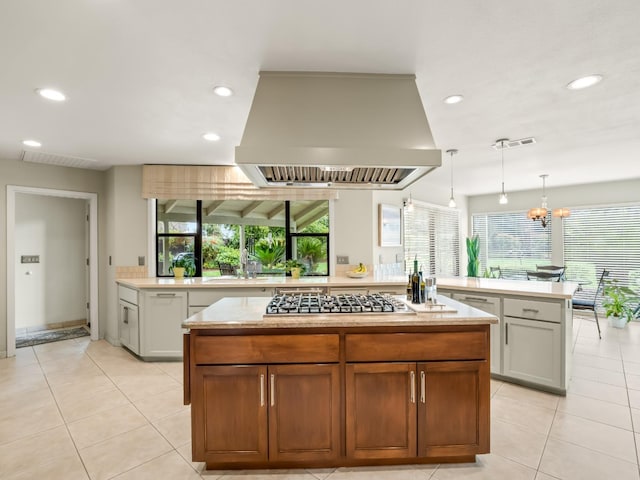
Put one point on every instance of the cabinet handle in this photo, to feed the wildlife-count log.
(423, 387)
(412, 376)
(477, 299)
(262, 389)
(506, 334)
(273, 389)
(126, 316)
(534, 310)
(165, 294)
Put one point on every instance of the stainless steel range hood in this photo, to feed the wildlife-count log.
(339, 130)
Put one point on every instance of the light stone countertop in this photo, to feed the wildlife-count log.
(528, 288)
(555, 290)
(249, 312)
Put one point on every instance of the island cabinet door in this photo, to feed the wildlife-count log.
(453, 408)
(229, 414)
(304, 412)
(381, 410)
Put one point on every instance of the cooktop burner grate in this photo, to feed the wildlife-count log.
(314, 303)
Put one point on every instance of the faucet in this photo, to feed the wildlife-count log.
(244, 262)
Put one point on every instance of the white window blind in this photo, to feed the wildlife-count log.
(432, 234)
(512, 242)
(603, 238)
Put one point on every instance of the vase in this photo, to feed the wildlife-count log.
(178, 272)
(617, 322)
(295, 272)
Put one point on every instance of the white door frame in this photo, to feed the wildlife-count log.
(12, 190)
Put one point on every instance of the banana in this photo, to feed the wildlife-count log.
(361, 268)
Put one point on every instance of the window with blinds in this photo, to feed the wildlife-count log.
(512, 242)
(603, 238)
(432, 235)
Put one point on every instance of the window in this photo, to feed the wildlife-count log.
(213, 234)
(603, 238)
(512, 242)
(431, 234)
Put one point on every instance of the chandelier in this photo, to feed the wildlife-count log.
(540, 213)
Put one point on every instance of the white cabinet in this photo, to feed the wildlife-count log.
(128, 323)
(533, 342)
(490, 305)
(162, 313)
(532, 351)
(128, 326)
(201, 298)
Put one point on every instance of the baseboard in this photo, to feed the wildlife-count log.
(51, 326)
(3, 354)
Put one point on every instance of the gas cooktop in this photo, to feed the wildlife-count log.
(319, 303)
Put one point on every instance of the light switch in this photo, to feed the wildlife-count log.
(141, 260)
(30, 259)
(342, 259)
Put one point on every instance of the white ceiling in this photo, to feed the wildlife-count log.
(138, 76)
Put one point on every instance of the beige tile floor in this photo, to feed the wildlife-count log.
(87, 410)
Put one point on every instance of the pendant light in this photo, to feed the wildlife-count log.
(409, 204)
(540, 213)
(452, 200)
(503, 200)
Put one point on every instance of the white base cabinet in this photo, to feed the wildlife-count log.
(532, 351)
(491, 305)
(162, 312)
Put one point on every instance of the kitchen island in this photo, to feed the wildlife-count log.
(326, 390)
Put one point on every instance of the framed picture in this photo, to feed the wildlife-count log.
(389, 225)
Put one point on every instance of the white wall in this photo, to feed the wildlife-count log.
(53, 290)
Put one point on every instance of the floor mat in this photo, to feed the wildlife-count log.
(48, 336)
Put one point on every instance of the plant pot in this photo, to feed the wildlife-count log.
(178, 272)
(295, 272)
(617, 322)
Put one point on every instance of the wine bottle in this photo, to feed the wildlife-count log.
(415, 283)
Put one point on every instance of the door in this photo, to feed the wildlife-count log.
(532, 351)
(304, 412)
(453, 408)
(232, 401)
(381, 410)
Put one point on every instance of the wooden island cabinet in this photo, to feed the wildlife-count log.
(336, 390)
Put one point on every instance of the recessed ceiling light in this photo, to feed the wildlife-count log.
(32, 143)
(584, 82)
(51, 94)
(211, 137)
(222, 91)
(451, 99)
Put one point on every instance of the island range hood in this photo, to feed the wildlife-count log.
(336, 130)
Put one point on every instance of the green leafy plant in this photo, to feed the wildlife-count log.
(270, 253)
(616, 300)
(184, 261)
(294, 263)
(473, 253)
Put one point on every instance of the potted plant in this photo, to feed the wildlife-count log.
(473, 254)
(183, 265)
(295, 266)
(616, 301)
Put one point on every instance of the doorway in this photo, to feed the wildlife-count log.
(12, 261)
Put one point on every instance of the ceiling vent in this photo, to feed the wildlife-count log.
(61, 160)
(515, 143)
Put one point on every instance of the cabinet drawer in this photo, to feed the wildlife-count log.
(533, 309)
(392, 347)
(128, 294)
(266, 349)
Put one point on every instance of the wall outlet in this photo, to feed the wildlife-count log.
(342, 259)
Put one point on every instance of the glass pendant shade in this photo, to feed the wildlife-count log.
(452, 200)
(561, 212)
(503, 199)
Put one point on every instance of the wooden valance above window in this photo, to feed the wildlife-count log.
(212, 182)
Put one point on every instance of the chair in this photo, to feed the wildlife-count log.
(590, 304)
(552, 268)
(495, 272)
(543, 275)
